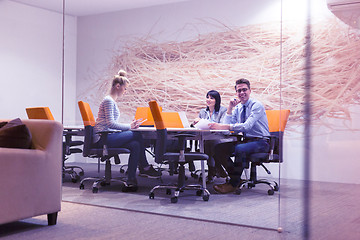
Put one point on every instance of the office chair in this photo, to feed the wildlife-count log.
(69, 145)
(181, 158)
(172, 119)
(102, 153)
(144, 113)
(277, 120)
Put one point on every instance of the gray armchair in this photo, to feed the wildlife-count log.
(31, 178)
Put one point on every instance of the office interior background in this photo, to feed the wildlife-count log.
(176, 52)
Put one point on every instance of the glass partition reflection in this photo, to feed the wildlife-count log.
(69, 84)
(176, 53)
(175, 56)
(30, 46)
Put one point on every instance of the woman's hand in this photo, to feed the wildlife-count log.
(135, 123)
(196, 120)
(219, 126)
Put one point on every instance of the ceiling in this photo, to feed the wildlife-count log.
(92, 7)
(350, 15)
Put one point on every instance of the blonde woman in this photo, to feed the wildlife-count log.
(108, 119)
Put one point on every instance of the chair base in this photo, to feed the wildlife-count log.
(172, 170)
(273, 185)
(123, 168)
(175, 189)
(102, 181)
(73, 174)
(251, 183)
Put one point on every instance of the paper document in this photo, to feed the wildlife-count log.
(203, 124)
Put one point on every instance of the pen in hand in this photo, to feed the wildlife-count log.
(142, 121)
(137, 122)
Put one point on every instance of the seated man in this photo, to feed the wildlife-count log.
(249, 117)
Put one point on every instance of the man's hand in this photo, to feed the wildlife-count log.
(219, 126)
(232, 104)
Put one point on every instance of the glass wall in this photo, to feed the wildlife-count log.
(31, 59)
(175, 54)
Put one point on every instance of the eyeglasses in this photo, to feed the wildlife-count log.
(242, 90)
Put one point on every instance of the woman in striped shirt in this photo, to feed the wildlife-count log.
(108, 117)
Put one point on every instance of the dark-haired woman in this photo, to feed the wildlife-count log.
(213, 112)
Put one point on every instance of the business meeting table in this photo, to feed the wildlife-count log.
(150, 133)
(198, 134)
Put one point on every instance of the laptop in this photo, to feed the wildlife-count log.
(175, 120)
(171, 119)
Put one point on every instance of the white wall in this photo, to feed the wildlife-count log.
(31, 61)
(334, 154)
(99, 35)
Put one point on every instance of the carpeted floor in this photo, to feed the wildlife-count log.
(231, 208)
(111, 214)
(254, 208)
(80, 222)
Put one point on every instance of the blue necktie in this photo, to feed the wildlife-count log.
(243, 114)
(243, 117)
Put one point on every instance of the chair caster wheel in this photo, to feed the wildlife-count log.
(276, 188)
(206, 197)
(75, 178)
(95, 190)
(238, 191)
(194, 175)
(168, 191)
(271, 192)
(81, 173)
(129, 189)
(122, 170)
(174, 200)
(151, 195)
(81, 186)
(199, 192)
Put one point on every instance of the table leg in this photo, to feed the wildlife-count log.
(202, 162)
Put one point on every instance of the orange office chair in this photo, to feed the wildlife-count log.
(69, 145)
(181, 158)
(39, 113)
(277, 120)
(102, 153)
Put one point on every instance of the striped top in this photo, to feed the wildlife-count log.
(108, 117)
